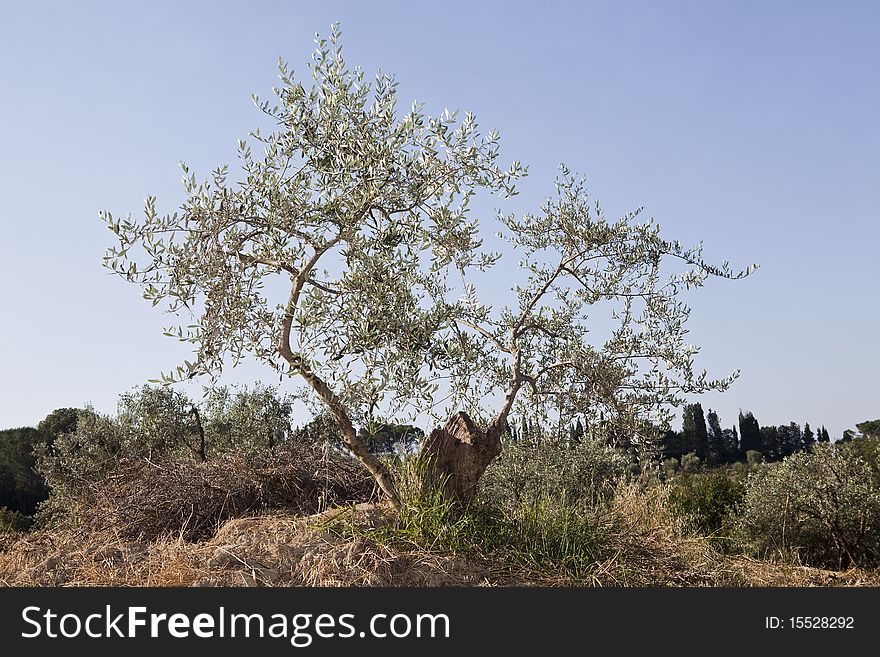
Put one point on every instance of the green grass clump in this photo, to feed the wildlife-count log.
(553, 531)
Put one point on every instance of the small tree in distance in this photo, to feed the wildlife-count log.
(364, 216)
(869, 428)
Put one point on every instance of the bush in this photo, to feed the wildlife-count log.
(246, 421)
(13, 521)
(669, 467)
(754, 457)
(77, 461)
(527, 472)
(869, 450)
(822, 506)
(691, 463)
(706, 502)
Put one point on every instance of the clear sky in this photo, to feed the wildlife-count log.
(749, 125)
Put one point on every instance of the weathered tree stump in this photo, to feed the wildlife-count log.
(458, 454)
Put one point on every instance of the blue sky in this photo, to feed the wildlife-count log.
(751, 126)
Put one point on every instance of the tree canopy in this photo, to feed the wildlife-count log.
(869, 428)
(346, 254)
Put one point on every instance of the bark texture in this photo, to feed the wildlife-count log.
(458, 454)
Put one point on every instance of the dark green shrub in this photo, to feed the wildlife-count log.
(670, 467)
(706, 502)
(21, 489)
(822, 507)
(867, 449)
(77, 461)
(13, 521)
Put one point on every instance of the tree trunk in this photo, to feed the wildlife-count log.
(457, 454)
(200, 450)
(350, 437)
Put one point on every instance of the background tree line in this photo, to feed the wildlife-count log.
(701, 441)
(702, 437)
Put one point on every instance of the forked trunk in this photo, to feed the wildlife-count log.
(457, 454)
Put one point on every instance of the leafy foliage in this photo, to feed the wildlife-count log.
(691, 463)
(59, 421)
(13, 521)
(869, 428)
(77, 461)
(706, 502)
(158, 422)
(361, 209)
(386, 438)
(823, 506)
(247, 420)
(527, 472)
(21, 488)
(579, 264)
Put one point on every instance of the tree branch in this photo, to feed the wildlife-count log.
(321, 286)
(516, 380)
(324, 391)
(484, 333)
(544, 370)
(538, 327)
(247, 258)
(349, 435)
(297, 282)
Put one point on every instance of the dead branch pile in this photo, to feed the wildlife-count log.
(145, 499)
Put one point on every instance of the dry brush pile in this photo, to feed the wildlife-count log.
(146, 499)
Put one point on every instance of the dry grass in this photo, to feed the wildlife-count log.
(649, 547)
(280, 548)
(270, 550)
(758, 572)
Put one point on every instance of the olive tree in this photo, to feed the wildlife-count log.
(248, 420)
(823, 505)
(361, 212)
(346, 255)
(160, 420)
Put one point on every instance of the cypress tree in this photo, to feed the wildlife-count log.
(808, 437)
(693, 428)
(770, 447)
(717, 448)
(749, 433)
